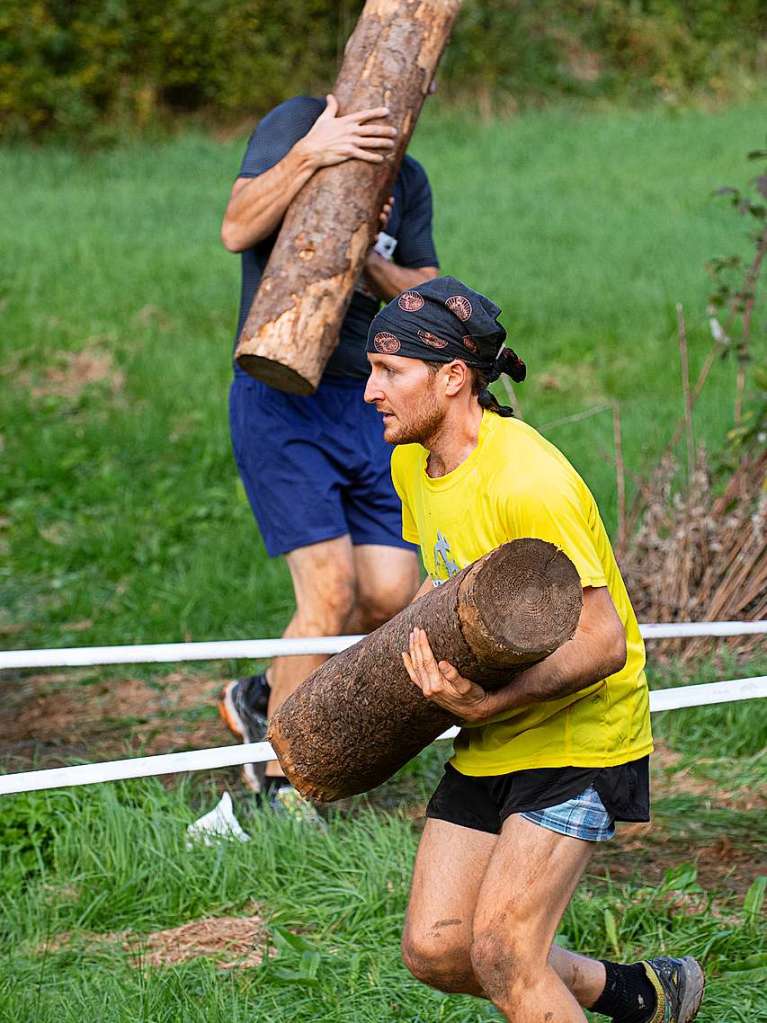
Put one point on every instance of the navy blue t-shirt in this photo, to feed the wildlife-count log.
(409, 223)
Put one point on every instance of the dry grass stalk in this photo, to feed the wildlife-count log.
(233, 942)
(697, 557)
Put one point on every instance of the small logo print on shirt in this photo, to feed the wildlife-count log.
(386, 343)
(443, 553)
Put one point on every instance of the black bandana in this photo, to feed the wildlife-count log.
(442, 320)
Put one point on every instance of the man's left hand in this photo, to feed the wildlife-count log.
(442, 683)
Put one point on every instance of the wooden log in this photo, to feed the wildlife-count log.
(297, 311)
(359, 718)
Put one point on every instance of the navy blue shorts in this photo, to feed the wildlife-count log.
(314, 467)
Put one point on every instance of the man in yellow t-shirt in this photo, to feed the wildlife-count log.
(545, 765)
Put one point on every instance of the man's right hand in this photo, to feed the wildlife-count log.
(333, 139)
(257, 205)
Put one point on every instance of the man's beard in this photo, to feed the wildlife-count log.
(419, 426)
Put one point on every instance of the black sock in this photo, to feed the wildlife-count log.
(628, 997)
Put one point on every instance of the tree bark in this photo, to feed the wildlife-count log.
(359, 717)
(296, 315)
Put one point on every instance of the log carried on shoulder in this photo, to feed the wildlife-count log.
(357, 719)
(297, 311)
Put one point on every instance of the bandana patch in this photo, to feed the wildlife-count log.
(386, 343)
(410, 301)
(459, 306)
(431, 339)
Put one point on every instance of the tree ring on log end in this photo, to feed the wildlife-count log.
(275, 374)
(532, 612)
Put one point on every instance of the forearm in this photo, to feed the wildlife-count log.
(258, 206)
(562, 673)
(588, 657)
(388, 279)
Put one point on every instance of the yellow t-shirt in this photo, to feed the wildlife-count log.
(516, 484)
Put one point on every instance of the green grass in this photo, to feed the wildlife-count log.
(124, 507)
(117, 862)
(121, 508)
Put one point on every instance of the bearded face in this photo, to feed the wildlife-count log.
(404, 391)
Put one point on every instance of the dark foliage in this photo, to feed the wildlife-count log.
(93, 69)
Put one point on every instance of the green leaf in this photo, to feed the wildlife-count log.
(757, 974)
(682, 878)
(754, 900)
(290, 942)
(611, 929)
(753, 962)
(310, 964)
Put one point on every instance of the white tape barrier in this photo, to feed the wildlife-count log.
(155, 653)
(258, 752)
(263, 649)
(686, 630)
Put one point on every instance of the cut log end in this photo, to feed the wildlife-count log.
(532, 618)
(275, 374)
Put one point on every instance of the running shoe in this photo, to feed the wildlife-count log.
(679, 986)
(243, 707)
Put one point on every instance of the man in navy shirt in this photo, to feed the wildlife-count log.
(316, 468)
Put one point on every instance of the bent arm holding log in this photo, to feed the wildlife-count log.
(257, 205)
(597, 650)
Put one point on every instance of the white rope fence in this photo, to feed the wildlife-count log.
(257, 752)
(262, 649)
(702, 694)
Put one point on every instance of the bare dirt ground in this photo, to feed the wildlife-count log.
(53, 718)
(48, 719)
(233, 942)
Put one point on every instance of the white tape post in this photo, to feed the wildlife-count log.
(263, 649)
(228, 756)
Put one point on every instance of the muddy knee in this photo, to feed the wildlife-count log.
(499, 965)
(440, 964)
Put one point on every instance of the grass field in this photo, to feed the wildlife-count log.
(123, 521)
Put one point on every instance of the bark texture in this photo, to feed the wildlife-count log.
(297, 311)
(359, 718)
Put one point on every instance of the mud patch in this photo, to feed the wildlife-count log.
(74, 372)
(49, 718)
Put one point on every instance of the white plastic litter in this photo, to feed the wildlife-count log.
(220, 823)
